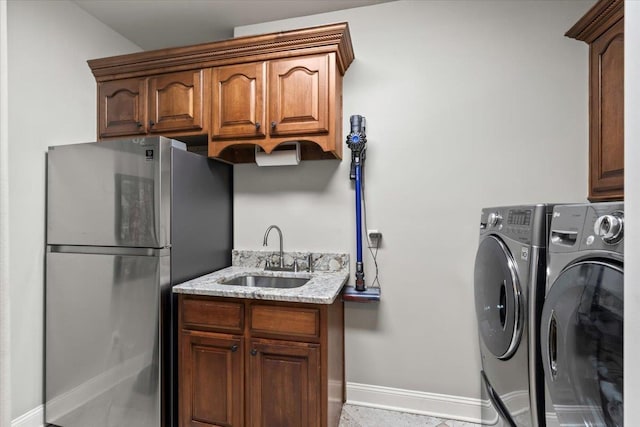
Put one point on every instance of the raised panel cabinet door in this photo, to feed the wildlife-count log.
(210, 380)
(239, 101)
(122, 107)
(607, 115)
(176, 101)
(284, 384)
(299, 95)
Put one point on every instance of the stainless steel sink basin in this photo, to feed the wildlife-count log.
(267, 281)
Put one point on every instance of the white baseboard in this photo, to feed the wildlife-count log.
(394, 399)
(33, 418)
(416, 402)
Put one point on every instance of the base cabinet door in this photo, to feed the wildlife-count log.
(284, 384)
(211, 380)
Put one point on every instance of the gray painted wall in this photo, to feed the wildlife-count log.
(52, 98)
(459, 95)
(469, 104)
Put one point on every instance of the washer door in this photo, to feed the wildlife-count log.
(497, 295)
(582, 325)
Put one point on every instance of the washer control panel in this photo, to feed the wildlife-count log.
(591, 226)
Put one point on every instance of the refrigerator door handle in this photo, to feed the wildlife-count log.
(108, 250)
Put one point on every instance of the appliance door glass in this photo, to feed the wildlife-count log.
(582, 325)
(102, 339)
(112, 193)
(497, 297)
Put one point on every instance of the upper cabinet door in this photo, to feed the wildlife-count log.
(607, 115)
(299, 95)
(176, 101)
(239, 101)
(122, 107)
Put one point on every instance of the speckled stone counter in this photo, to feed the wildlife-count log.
(331, 272)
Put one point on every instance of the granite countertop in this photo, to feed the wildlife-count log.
(331, 272)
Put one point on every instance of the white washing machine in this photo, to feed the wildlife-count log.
(582, 318)
(509, 284)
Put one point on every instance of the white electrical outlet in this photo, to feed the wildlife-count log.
(374, 237)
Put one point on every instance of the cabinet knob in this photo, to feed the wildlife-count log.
(139, 124)
(234, 348)
(258, 125)
(254, 351)
(273, 125)
(151, 123)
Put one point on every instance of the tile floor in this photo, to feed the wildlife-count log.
(360, 416)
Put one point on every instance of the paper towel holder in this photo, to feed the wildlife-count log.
(285, 154)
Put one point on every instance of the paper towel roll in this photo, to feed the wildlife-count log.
(285, 155)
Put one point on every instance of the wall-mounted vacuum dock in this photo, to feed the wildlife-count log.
(356, 141)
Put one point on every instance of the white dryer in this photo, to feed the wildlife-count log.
(509, 284)
(582, 319)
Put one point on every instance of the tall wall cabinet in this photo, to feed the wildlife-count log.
(602, 27)
(227, 97)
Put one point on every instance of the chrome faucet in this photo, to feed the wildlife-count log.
(264, 243)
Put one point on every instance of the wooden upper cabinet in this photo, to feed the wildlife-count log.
(122, 107)
(176, 101)
(226, 95)
(602, 28)
(299, 95)
(239, 101)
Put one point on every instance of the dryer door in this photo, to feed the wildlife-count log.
(582, 325)
(497, 295)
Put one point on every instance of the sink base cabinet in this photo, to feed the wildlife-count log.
(259, 363)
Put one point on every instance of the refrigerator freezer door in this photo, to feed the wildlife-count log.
(113, 193)
(103, 340)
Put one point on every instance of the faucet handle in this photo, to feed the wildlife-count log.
(310, 262)
(295, 265)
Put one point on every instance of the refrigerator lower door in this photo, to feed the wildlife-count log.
(102, 339)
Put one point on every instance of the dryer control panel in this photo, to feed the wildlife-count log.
(525, 224)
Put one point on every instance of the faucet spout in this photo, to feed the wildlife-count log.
(266, 236)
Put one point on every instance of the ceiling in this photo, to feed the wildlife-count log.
(156, 24)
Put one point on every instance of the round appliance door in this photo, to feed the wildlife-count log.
(582, 325)
(497, 298)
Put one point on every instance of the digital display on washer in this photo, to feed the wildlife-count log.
(519, 217)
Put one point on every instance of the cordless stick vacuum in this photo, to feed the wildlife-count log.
(356, 141)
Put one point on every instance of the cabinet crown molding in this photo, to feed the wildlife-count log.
(308, 41)
(598, 19)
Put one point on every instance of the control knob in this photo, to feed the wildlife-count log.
(609, 227)
(494, 219)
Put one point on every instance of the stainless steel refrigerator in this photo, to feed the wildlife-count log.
(126, 220)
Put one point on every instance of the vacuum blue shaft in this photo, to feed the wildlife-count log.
(360, 287)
